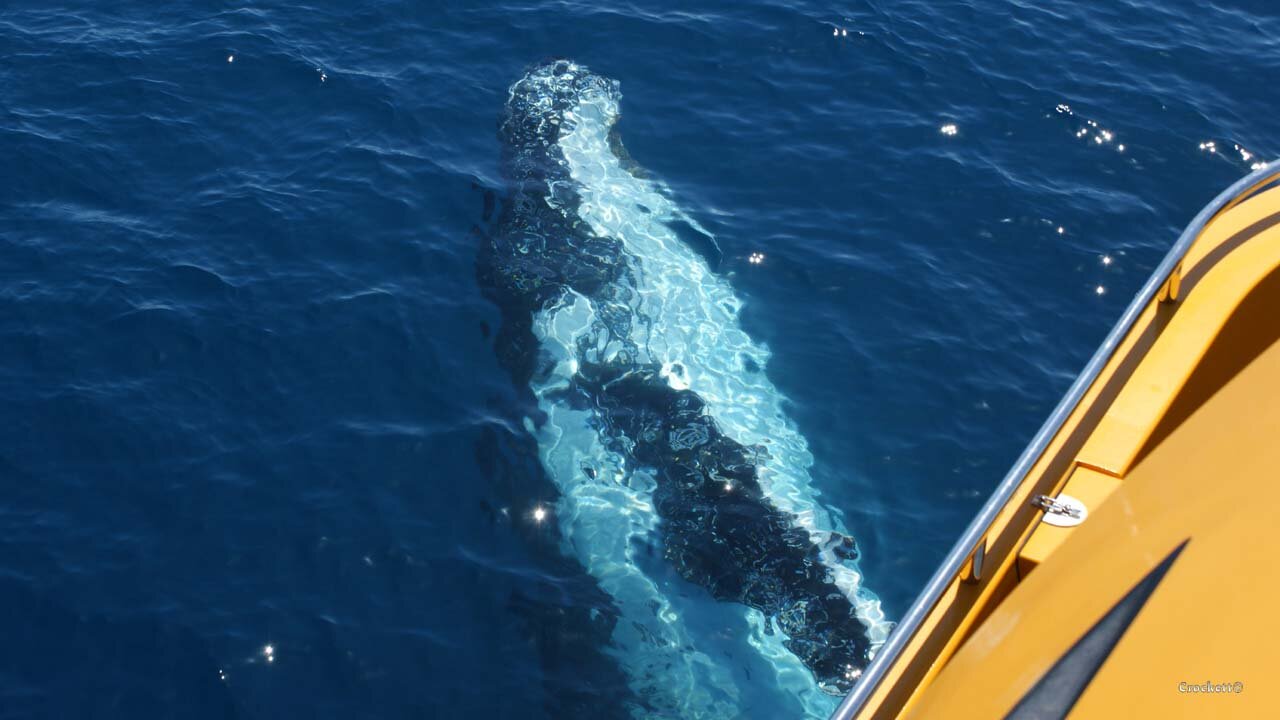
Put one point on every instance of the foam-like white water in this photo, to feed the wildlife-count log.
(607, 518)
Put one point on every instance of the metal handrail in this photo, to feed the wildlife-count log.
(968, 542)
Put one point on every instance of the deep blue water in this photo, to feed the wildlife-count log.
(248, 385)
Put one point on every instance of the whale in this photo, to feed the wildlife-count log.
(684, 487)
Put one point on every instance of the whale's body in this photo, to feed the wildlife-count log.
(680, 475)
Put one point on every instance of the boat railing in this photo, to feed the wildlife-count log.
(973, 536)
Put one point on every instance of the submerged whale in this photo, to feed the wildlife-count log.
(656, 421)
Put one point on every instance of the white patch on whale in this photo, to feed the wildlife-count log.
(605, 521)
(694, 322)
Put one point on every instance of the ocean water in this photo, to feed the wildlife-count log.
(261, 458)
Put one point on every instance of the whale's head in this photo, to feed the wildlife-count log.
(540, 247)
(554, 97)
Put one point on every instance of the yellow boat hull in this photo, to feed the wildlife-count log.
(1171, 440)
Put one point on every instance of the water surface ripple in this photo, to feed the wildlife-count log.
(261, 459)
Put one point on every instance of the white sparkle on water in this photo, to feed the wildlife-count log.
(1102, 136)
(1099, 290)
(539, 514)
(1106, 259)
(231, 58)
(949, 129)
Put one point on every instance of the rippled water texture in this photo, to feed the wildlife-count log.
(262, 456)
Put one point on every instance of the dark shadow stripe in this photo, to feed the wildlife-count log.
(1057, 691)
(1215, 256)
(1247, 333)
